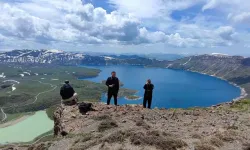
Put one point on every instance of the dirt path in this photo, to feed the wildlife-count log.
(4, 115)
(36, 98)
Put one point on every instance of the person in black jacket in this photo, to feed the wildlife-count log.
(68, 94)
(113, 87)
(148, 94)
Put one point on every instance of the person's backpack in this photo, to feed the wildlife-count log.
(85, 107)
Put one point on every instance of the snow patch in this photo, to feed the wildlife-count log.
(42, 78)
(13, 87)
(219, 54)
(54, 79)
(187, 61)
(36, 74)
(2, 75)
(169, 65)
(55, 51)
(22, 75)
(108, 58)
(79, 55)
(27, 73)
(11, 81)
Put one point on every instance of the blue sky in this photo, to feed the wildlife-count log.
(127, 26)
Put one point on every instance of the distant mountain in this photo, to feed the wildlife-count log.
(72, 58)
(162, 56)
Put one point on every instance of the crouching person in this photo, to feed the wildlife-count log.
(69, 97)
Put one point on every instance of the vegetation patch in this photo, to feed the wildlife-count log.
(101, 117)
(159, 142)
(132, 97)
(203, 147)
(196, 136)
(227, 136)
(216, 142)
(117, 137)
(107, 124)
(242, 105)
(142, 123)
(50, 111)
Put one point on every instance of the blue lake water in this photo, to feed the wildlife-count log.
(173, 88)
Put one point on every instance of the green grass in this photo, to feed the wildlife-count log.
(50, 111)
(242, 105)
(21, 100)
(30, 87)
(132, 97)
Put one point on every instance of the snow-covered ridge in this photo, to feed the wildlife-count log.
(59, 57)
(51, 56)
(55, 51)
(108, 58)
(219, 55)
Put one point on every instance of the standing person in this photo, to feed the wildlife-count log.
(113, 87)
(148, 94)
(68, 94)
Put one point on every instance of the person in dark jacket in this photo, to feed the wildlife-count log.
(113, 87)
(148, 94)
(68, 94)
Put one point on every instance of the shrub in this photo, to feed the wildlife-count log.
(107, 124)
(203, 147)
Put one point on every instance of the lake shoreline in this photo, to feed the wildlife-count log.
(243, 93)
(14, 121)
(25, 128)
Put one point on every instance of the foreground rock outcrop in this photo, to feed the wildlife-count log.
(130, 127)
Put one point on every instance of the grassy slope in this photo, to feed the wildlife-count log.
(20, 100)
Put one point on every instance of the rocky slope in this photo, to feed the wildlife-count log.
(71, 58)
(224, 127)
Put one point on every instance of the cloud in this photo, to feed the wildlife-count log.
(243, 17)
(75, 23)
(18, 23)
(226, 33)
(226, 6)
(151, 8)
(98, 23)
(2, 38)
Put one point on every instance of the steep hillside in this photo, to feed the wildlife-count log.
(235, 69)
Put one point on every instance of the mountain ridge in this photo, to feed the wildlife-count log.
(59, 57)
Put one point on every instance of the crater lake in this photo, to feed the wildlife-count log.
(173, 88)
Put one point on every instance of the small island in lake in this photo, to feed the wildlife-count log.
(132, 97)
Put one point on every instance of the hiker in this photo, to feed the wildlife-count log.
(68, 94)
(148, 94)
(113, 87)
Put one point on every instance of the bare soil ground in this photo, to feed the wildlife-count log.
(225, 127)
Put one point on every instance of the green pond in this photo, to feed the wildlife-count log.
(26, 130)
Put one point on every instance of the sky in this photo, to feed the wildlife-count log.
(127, 26)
